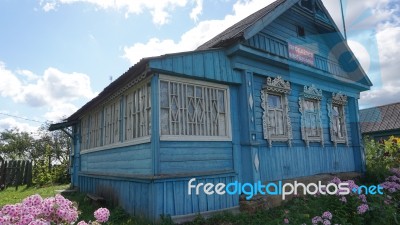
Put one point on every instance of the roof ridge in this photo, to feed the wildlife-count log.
(380, 106)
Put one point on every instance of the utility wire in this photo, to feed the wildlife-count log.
(19, 117)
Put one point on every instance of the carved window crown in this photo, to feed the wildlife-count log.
(276, 120)
(312, 92)
(277, 85)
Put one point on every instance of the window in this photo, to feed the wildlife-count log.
(138, 112)
(95, 129)
(300, 31)
(85, 133)
(309, 107)
(112, 122)
(336, 109)
(194, 109)
(276, 121)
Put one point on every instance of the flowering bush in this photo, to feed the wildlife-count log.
(54, 210)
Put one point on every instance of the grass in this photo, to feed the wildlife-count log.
(117, 215)
(11, 196)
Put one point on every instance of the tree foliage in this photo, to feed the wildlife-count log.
(49, 152)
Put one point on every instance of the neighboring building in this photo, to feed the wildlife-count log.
(381, 122)
(273, 97)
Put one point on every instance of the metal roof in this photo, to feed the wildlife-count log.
(380, 118)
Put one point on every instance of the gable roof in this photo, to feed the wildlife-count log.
(380, 118)
(236, 31)
(254, 23)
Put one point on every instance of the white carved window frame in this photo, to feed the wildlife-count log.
(184, 122)
(340, 100)
(314, 95)
(276, 86)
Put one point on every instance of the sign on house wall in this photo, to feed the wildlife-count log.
(301, 54)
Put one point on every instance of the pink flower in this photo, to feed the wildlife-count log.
(327, 215)
(82, 223)
(286, 220)
(362, 209)
(102, 215)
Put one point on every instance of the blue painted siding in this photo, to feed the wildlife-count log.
(278, 163)
(133, 196)
(209, 65)
(135, 159)
(282, 162)
(160, 197)
(173, 199)
(275, 38)
(192, 157)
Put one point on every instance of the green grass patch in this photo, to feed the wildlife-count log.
(12, 196)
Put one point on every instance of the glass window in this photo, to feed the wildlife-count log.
(310, 109)
(276, 121)
(193, 108)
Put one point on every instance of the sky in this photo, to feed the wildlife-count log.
(55, 55)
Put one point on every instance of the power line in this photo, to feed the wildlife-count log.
(19, 117)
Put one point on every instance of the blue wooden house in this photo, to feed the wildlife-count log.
(273, 97)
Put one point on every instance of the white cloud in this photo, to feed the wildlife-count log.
(54, 90)
(202, 32)
(196, 11)
(11, 123)
(160, 9)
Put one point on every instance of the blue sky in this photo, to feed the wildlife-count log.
(55, 55)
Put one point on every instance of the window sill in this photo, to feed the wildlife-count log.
(136, 141)
(193, 138)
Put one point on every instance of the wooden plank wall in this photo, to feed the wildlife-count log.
(134, 159)
(161, 197)
(133, 196)
(173, 199)
(275, 37)
(282, 162)
(209, 65)
(187, 157)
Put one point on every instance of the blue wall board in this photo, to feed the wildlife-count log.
(186, 157)
(152, 198)
(207, 65)
(134, 159)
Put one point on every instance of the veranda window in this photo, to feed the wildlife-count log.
(194, 109)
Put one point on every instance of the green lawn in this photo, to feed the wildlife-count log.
(11, 196)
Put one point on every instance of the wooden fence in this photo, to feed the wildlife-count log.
(15, 173)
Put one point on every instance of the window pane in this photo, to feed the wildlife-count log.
(274, 101)
(279, 123)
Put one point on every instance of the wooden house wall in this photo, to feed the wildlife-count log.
(192, 157)
(276, 36)
(160, 197)
(210, 65)
(135, 159)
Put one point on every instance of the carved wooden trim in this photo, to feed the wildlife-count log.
(340, 100)
(314, 94)
(280, 87)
